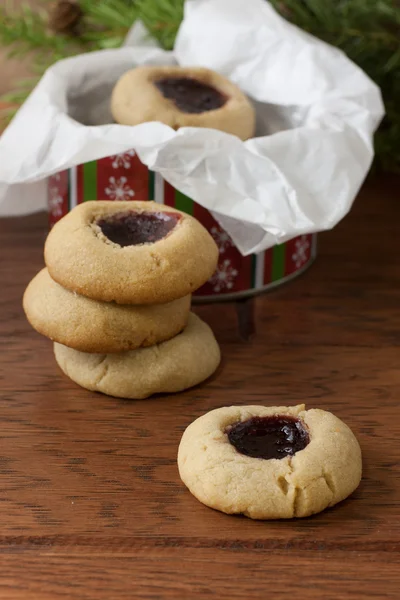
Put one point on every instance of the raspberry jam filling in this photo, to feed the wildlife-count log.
(132, 228)
(276, 436)
(190, 95)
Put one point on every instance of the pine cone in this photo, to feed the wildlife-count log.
(65, 16)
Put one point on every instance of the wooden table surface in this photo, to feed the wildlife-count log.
(91, 502)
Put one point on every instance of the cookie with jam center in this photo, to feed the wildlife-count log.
(92, 326)
(269, 462)
(182, 97)
(172, 366)
(130, 252)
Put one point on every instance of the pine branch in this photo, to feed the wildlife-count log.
(162, 18)
(27, 31)
(111, 14)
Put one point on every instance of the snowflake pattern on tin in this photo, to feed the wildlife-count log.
(118, 189)
(123, 159)
(224, 277)
(300, 257)
(55, 200)
(221, 238)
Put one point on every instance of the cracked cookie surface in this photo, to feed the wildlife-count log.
(172, 366)
(182, 97)
(324, 472)
(154, 253)
(92, 326)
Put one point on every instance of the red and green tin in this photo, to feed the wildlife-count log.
(124, 177)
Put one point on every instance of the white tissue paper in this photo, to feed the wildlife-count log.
(316, 114)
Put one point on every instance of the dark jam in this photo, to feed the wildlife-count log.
(190, 95)
(133, 228)
(276, 436)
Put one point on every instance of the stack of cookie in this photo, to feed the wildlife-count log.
(115, 298)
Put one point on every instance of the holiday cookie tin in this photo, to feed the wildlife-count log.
(124, 177)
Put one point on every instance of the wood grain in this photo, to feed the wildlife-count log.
(91, 505)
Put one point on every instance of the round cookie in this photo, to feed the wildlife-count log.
(91, 326)
(269, 462)
(180, 363)
(130, 252)
(182, 97)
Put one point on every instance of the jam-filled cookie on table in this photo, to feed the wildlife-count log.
(130, 252)
(269, 462)
(172, 366)
(182, 97)
(92, 326)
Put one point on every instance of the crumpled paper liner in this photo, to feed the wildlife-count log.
(316, 114)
